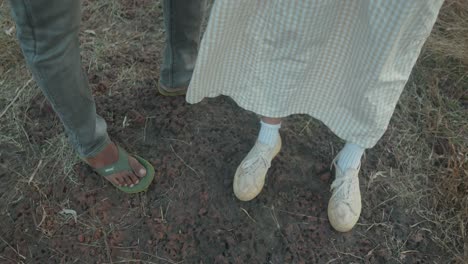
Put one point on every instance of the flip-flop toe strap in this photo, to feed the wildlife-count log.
(122, 164)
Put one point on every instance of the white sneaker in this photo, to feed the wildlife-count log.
(250, 175)
(344, 206)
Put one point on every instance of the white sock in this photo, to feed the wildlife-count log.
(269, 133)
(350, 156)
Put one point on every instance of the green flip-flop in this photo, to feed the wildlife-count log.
(123, 164)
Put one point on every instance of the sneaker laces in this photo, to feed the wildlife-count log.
(342, 188)
(259, 160)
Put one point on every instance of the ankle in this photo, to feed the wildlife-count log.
(350, 157)
(107, 156)
(271, 120)
(269, 133)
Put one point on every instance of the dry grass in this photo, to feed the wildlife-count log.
(428, 135)
(427, 138)
(10, 54)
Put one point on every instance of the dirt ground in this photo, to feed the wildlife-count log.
(190, 213)
(54, 209)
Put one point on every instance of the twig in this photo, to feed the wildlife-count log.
(15, 172)
(146, 124)
(99, 246)
(344, 253)
(107, 248)
(124, 122)
(272, 212)
(16, 97)
(7, 258)
(333, 260)
(306, 125)
(16, 251)
(162, 214)
(386, 201)
(371, 251)
(167, 207)
(418, 223)
(178, 140)
(124, 260)
(35, 172)
(188, 166)
(158, 257)
(409, 251)
(44, 215)
(299, 214)
(247, 213)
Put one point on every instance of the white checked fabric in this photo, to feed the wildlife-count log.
(342, 62)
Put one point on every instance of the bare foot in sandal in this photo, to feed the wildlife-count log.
(110, 155)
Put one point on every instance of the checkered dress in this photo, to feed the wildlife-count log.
(342, 62)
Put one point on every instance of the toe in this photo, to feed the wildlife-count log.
(138, 169)
(127, 179)
(117, 180)
(135, 180)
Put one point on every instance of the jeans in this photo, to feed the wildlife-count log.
(48, 34)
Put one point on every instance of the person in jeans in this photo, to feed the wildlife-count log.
(48, 33)
(342, 62)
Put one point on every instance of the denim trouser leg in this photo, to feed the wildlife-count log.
(48, 33)
(182, 21)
